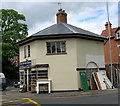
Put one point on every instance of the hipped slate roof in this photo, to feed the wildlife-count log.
(62, 30)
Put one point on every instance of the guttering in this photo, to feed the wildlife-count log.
(56, 36)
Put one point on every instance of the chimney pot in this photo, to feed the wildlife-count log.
(60, 10)
(107, 30)
(61, 16)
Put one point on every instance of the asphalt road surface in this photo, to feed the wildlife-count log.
(12, 96)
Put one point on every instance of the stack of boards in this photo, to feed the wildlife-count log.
(102, 80)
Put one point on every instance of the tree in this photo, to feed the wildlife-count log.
(13, 30)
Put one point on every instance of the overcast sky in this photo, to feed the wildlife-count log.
(90, 16)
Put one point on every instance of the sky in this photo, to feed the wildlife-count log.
(90, 16)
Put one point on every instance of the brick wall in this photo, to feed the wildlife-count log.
(114, 45)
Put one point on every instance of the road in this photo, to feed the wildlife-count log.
(13, 96)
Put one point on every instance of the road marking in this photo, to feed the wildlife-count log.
(32, 101)
(28, 99)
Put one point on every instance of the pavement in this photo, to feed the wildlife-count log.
(12, 96)
(15, 93)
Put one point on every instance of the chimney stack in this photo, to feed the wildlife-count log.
(61, 16)
(107, 31)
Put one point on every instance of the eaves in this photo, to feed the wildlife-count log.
(61, 36)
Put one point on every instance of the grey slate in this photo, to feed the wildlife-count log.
(64, 28)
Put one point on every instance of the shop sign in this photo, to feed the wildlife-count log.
(25, 63)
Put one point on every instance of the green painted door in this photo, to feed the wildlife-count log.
(84, 81)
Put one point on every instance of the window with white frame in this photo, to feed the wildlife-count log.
(119, 50)
(25, 54)
(26, 51)
(118, 34)
(56, 47)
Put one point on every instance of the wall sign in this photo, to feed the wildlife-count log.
(25, 63)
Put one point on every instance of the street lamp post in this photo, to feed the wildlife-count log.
(110, 45)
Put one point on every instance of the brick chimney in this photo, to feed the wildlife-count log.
(61, 16)
(107, 31)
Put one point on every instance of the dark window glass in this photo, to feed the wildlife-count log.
(118, 35)
(28, 50)
(53, 47)
(63, 47)
(25, 52)
(58, 47)
(119, 50)
(48, 47)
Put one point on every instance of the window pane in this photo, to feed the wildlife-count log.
(63, 47)
(53, 47)
(25, 52)
(119, 50)
(118, 35)
(58, 47)
(48, 47)
(28, 50)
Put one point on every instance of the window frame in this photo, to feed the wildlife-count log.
(25, 51)
(118, 50)
(28, 50)
(59, 47)
(118, 35)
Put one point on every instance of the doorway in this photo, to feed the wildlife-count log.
(91, 68)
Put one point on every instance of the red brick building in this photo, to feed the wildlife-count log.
(115, 50)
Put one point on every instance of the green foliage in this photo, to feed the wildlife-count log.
(13, 30)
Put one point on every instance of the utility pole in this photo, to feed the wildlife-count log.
(110, 44)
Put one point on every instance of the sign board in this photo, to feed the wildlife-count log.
(84, 81)
(25, 63)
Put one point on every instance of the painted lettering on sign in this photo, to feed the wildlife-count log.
(25, 63)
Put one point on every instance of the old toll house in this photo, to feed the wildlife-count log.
(61, 57)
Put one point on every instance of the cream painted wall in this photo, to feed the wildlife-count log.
(89, 51)
(62, 68)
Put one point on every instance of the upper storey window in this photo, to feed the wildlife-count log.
(118, 34)
(25, 54)
(26, 51)
(56, 47)
(119, 50)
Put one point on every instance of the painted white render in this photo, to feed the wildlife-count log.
(62, 67)
(89, 51)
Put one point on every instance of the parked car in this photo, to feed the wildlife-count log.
(16, 84)
(3, 83)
